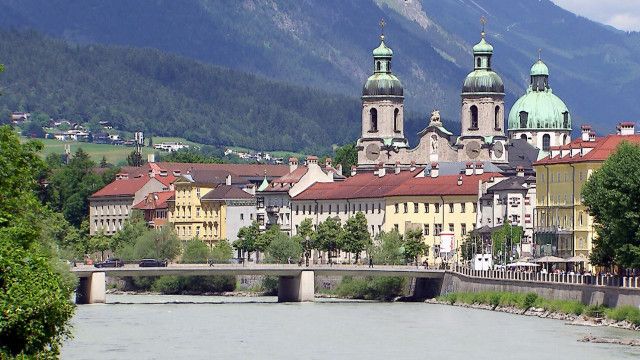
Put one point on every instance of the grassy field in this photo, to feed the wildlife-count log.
(115, 154)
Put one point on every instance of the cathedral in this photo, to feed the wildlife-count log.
(538, 120)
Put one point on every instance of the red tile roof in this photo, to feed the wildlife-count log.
(284, 183)
(226, 192)
(122, 187)
(441, 185)
(242, 170)
(363, 185)
(155, 200)
(602, 148)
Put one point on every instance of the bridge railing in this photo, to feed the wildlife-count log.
(632, 282)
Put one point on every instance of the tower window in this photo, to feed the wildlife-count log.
(396, 121)
(373, 117)
(524, 116)
(565, 120)
(478, 62)
(546, 142)
(378, 65)
(523, 137)
(474, 117)
(497, 118)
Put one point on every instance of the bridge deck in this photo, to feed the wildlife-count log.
(266, 269)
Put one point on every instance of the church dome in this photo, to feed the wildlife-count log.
(483, 81)
(483, 47)
(539, 108)
(382, 84)
(382, 50)
(539, 68)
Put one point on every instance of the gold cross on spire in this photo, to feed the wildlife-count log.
(382, 24)
(483, 21)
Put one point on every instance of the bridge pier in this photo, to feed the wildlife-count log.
(300, 288)
(91, 289)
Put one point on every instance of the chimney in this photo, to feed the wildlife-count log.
(592, 136)
(627, 128)
(460, 180)
(468, 169)
(381, 170)
(151, 158)
(353, 170)
(339, 169)
(312, 160)
(396, 170)
(479, 168)
(520, 171)
(435, 170)
(412, 167)
(293, 164)
(328, 162)
(586, 129)
(228, 181)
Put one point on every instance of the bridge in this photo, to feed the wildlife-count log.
(295, 283)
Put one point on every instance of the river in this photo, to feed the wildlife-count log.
(199, 327)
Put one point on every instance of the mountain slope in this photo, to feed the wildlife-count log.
(168, 95)
(327, 44)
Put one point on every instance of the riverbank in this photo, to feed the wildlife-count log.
(529, 304)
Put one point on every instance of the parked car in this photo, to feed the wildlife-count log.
(152, 263)
(110, 262)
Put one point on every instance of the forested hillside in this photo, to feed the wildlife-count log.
(327, 44)
(167, 95)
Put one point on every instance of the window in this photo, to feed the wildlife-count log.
(396, 120)
(251, 216)
(373, 120)
(437, 229)
(373, 229)
(297, 209)
(463, 207)
(436, 207)
(304, 209)
(451, 208)
(478, 62)
(496, 118)
(546, 142)
(415, 207)
(474, 117)
(475, 208)
(260, 202)
(366, 208)
(346, 208)
(451, 227)
(378, 66)
(241, 216)
(565, 120)
(406, 208)
(425, 229)
(197, 212)
(329, 209)
(379, 208)
(359, 207)
(198, 192)
(395, 227)
(463, 229)
(524, 117)
(321, 209)
(523, 137)
(197, 230)
(426, 207)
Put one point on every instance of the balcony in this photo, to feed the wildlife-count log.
(273, 209)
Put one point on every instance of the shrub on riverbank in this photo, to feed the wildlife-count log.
(172, 285)
(525, 301)
(380, 288)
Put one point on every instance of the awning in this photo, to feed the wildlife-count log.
(550, 259)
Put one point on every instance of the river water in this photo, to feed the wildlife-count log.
(199, 327)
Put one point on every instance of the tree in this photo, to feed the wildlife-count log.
(158, 244)
(347, 156)
(266, 238)
(135, 159)
(305, 229)
(103, 162)
(414, 245)
(470, 246)
(195, 251)
(612, 195)
(100, 242)
(35, 289)
(389, 249)
(505, 237)
(191, 156)
(247, 237)
(221, 252)
(284, 248)
(33, 130)
(131, 231)
(355, 236)
(328, 236)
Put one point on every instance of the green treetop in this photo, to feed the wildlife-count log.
(355, 236)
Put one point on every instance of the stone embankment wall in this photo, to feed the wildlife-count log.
(610, 296)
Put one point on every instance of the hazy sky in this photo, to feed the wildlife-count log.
(621, 14)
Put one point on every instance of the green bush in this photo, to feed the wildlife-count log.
(168, 285)
(594, 310)
(626, 312)
(270, 285)
(194, 284)
(384, 288)
(529, 300)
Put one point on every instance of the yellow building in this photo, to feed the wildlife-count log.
(563, 226)
(443, 207)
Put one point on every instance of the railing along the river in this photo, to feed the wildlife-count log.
(562, 278)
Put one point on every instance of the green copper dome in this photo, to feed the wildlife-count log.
(483, 81)
(539, 68)
(539, 108)
(382, 50)
(382, 82)
(483, 47)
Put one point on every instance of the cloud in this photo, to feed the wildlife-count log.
(621, 14)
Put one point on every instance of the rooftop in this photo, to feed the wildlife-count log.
(587, 151)
(122, 187)
(226, 192)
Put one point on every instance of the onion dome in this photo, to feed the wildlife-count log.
(382, 82)
(482, 79)
(539, 108)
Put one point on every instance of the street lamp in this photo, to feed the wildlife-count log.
(307, 249)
